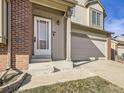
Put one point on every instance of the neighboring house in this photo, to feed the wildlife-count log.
(114, 45)
(43, 30)
(117, 47)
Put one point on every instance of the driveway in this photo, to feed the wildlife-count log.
(109, 70)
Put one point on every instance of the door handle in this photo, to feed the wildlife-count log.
(34, 39)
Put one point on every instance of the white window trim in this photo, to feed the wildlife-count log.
(0, 19)
(91, 20)
(3, 21)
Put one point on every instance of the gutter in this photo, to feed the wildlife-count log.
(71, 1)
(91, 29)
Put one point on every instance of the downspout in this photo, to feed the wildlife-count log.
(9, 32)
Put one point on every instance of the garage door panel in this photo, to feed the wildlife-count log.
(83, 48)
(101, 45)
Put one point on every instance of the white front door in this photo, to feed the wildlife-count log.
(42, 35)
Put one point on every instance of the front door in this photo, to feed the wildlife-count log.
(42, 36)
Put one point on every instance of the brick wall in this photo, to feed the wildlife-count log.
(21, 28)
(3, 57)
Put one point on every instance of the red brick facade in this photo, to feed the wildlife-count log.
(3, 57)
(21, 34)
(21, 28)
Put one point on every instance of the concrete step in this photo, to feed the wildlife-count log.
(40, 68)
(38, 59)
(41, 57)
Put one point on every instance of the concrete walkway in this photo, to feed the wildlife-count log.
(53, 78)
(109, 70)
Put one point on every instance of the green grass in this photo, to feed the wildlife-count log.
(89, 85)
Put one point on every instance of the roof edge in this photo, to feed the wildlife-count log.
(95, 1)
(71, 1)
(91, 28)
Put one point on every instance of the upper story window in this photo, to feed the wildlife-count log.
(96, 18)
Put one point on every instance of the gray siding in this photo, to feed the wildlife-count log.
(58, 29)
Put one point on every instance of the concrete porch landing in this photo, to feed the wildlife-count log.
(49, 67)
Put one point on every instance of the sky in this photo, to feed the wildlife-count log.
(114, 21)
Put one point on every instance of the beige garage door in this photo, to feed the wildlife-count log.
(85, 48)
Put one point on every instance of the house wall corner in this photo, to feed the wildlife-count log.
(109, 46)
(21, 33)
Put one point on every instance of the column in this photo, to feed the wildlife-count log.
(68, 40)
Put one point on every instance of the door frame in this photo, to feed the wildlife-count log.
(44, 52)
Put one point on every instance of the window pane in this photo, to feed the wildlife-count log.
(38, 41)
(42, 34)
(98, 19)
(93, 17)
(47, 35)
